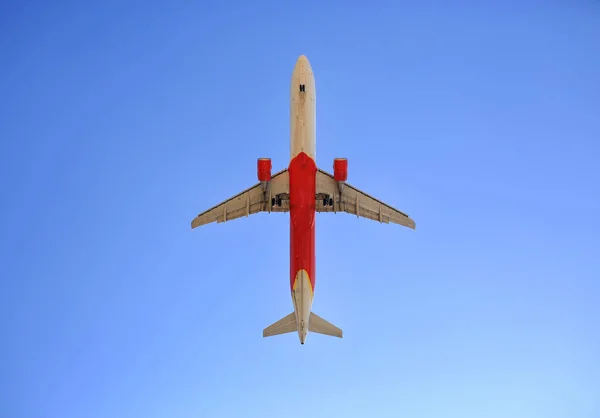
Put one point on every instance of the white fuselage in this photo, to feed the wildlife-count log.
(303, 110)
(302, 176)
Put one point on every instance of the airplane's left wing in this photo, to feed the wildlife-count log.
(354, 201)
(258, 198)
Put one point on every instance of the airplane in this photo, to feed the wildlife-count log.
(302, 189)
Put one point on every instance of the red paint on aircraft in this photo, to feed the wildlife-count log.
(302, 175)
(263, 167)
(340, 169)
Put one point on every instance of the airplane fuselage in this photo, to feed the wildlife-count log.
(302, 177)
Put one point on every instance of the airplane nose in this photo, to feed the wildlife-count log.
(302, 65)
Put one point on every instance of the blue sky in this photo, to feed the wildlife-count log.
(120, 121)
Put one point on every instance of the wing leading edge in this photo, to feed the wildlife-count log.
(256, 199)
(356, 202)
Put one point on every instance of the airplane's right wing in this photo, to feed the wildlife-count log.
(250, 201)
(355, 202)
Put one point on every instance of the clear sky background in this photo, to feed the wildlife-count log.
(120, 121)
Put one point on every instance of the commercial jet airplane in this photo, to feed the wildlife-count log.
(302, 190)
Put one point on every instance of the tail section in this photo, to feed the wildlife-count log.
(321, 326)
(315, 324)
(283, 326)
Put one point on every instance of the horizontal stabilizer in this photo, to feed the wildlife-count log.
(321, 326)
(283, 326)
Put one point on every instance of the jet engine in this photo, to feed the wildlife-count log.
(340, 172)
(340, 169)
(264, 169)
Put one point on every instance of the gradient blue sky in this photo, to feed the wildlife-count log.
(120, 121)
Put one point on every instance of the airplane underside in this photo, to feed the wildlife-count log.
(302, 190)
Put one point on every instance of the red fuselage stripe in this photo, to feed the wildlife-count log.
(302, 175)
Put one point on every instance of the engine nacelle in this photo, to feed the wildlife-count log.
(264, 169)
(340, 169)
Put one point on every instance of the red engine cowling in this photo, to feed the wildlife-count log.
(264, 169)
(340, 169)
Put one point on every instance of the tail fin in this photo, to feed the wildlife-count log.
(283, 326)
(321, 326)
